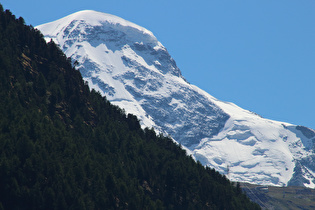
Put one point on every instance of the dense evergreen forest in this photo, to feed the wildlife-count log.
(63, 146)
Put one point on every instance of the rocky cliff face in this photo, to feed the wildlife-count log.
(128, 65)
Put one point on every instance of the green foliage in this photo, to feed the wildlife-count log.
(63, 146)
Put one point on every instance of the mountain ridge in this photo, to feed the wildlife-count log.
(141, 77)
(63, 146)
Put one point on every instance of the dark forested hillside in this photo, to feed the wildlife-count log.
(63, 146)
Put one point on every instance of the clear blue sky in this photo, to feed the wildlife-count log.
(259, 54)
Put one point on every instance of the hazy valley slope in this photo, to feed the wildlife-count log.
(128, 65)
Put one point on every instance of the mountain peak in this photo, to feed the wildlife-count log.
(91, 18)
(111, 51)
(128, 65)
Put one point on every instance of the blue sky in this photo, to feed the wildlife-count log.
(258, 54)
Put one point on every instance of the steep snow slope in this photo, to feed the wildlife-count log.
(128, 65)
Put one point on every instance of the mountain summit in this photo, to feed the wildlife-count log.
(128, 65)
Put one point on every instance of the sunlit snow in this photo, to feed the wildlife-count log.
(128, 65)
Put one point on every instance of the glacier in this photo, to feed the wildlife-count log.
(127, 64)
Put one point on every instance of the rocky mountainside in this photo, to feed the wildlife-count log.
(127, 64)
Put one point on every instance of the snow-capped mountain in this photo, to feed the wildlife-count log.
(128, 65)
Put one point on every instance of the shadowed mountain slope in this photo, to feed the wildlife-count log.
(63, 146)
